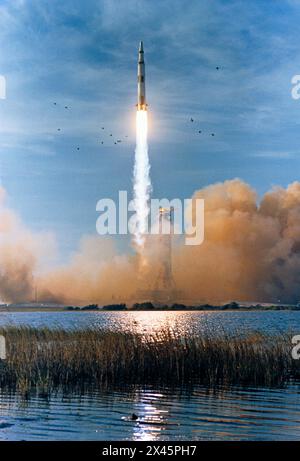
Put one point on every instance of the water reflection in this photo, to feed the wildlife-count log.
(167, 414)
(153, 322)
(153, 420)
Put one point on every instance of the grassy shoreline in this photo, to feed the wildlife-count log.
(149, 306)
(54, 359)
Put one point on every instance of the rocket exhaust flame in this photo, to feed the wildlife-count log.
(142, 183)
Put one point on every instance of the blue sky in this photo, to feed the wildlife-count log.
(82, 54)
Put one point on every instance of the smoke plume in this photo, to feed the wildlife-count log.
(22, 254)
(251, 251)
(95, 274)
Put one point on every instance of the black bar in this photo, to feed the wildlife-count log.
(138, 450)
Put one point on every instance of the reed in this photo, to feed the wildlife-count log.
(51, 359)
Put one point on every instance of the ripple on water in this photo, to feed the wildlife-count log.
(167, 414)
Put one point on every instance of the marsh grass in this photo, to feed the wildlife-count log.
(59, 359)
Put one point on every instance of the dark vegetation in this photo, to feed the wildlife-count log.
(148, 305)
(91, 359)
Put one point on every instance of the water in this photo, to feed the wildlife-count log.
(166, 414)
(150, 322)
(236, 414)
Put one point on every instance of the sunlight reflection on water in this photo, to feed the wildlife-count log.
(154, 322)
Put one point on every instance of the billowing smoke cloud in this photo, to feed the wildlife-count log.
(95, 274)
(251, 252)
(22, 254)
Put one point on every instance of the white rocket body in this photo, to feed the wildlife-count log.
(141, 104)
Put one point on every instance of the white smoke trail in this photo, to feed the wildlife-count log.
(142, 182)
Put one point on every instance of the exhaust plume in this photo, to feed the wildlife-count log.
(142, 183)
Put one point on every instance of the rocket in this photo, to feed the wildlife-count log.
(141, 104)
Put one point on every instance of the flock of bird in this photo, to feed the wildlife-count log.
(192, 120)
(116, 142)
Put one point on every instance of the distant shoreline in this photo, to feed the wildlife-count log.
(148, 307)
